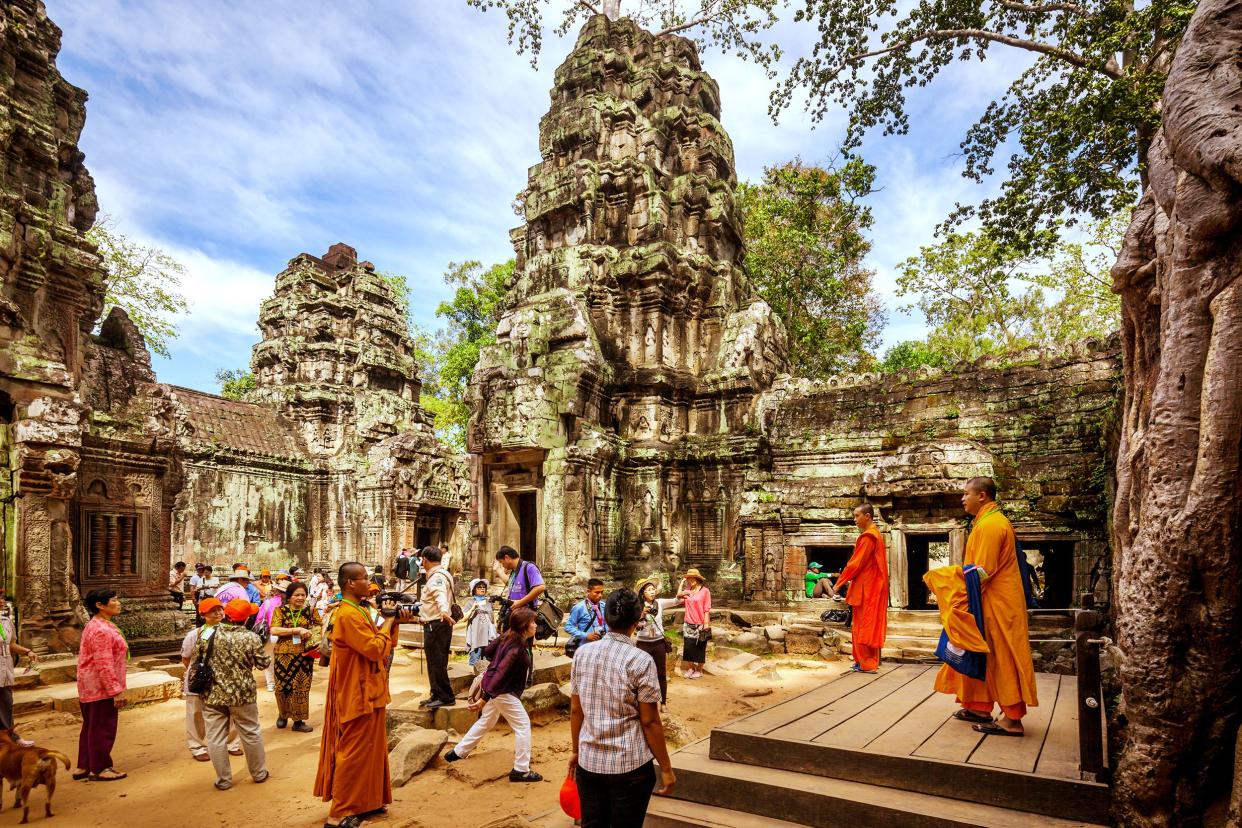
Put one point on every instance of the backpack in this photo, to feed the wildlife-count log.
(202, 676)
(455, 610)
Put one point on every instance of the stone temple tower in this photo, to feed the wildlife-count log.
(612, 421)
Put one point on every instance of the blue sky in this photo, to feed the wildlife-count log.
(238, 134)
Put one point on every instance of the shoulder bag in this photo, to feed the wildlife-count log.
(202, 676)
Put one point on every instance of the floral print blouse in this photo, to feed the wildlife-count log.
(101, 661)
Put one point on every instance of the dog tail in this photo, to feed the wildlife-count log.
(56, 754)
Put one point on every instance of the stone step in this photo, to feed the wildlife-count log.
(822, 802)
(141, 688)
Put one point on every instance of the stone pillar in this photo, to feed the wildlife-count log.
(898, 572)
(957, 546)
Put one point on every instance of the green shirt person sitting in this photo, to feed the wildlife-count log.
(813, 576)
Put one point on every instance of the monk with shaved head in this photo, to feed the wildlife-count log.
(353, 754)
(1010, 679)
(867, 575)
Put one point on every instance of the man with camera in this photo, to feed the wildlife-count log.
(435, 614)
(353, 754)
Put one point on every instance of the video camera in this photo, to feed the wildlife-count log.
(394, 603)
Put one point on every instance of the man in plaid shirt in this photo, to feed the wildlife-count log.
(615, 723)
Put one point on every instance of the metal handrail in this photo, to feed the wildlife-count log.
(1087, 643)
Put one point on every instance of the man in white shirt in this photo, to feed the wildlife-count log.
(195, 728)
(435, 614)
(176, 583)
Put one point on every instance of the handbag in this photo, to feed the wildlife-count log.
(202, 676)
(325, 642)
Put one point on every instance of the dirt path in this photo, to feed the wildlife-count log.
(167, 788)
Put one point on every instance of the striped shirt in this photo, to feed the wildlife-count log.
(611, 678)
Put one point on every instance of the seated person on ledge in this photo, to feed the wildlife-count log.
(818, 584)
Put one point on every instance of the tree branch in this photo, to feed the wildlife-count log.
(1072, 58)
(588, 6)
(707, 17)
(1047, 8)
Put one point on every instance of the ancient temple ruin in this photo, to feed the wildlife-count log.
(636, 413)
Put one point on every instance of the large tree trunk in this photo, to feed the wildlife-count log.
(1178, 515)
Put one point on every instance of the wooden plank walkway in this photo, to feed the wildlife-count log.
(898, 713)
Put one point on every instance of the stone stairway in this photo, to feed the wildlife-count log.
(52, 684)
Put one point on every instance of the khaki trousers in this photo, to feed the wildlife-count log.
(246, 719)
(196, 729)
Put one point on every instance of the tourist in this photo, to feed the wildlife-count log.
(525, 581)
(236, 653)
(102, 653)
(1010, 678)
(435, 614)
(615, 723)
(402, 570)
(237, 587)
(502, 686)
(211, 583)
(195, 728)
(353, 753)
(263, 626)
(818, 584)
(176, 584)
(480, 628)
(378, 578)
(445, 557)
(264, 586)
(585, 622)
(295, 573)
(253, 595)
(322, 594)
(196, 581)
(696, 628)
(867, 575)
(296, 628)
(8, 672)
(651, 639)
(316, 579)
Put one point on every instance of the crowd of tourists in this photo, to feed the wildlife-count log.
(281, 626)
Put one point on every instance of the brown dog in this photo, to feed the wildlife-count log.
(27, 768)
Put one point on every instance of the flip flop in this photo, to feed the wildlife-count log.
(79, 776)
(965, 715)
(347, 822)
(993, 729)
(112, 777)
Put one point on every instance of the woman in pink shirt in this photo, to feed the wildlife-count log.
(101, 682)
(696, 630)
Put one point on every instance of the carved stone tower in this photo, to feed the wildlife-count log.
(612, 419)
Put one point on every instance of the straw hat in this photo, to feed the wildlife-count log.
(641, 585)
(239, 574)
(694, 573)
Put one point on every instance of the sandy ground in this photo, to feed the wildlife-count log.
(167, 788)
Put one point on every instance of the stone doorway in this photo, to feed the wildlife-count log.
(832, 558)
(923, 553)
(1052, 572)
(525, 505)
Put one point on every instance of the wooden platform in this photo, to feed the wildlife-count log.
(884, 750)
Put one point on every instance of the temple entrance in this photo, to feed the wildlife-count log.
(1052, 572)
(422, 537)
(528, 524)
(832, 558)
(923, 553)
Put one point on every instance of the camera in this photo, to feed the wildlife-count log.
(394, 603)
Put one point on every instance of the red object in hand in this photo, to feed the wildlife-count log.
(570, 803)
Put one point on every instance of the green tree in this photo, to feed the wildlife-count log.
(235, 383)
(1083, 114)
(982, 297)
(145, 281)
(805, 248)
(733, 26)
(911, 354)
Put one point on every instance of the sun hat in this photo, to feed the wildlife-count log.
(263, 572)
(694, 573)
(641, 585)
(476, 582)
(238, 574)
(239, 609)
(207, 605)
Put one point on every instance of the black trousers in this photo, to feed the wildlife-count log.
(615, 800)
(437, 638)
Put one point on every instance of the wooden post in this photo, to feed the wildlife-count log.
(1090, 695)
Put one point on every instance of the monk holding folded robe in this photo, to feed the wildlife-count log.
(1010, 674)
(867, 575)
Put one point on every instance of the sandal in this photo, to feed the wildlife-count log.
(347, 822)
(965, 715)
(109, 775)
(993, 729)
(79, 776)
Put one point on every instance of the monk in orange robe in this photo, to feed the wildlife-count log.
(1010, 680)
(353, 753)
(867, 575)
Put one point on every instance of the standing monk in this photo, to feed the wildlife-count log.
(1010, 680)
(353, 754)
(867, 575)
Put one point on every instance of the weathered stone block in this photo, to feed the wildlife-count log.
(413, 753)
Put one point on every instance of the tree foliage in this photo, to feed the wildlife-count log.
(1082, 115)
(145, 281)
(805, 248)
(732, 26)
(235, 383)
(910, 355)
(981, 297)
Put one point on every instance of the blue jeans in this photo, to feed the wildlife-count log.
(475, 655)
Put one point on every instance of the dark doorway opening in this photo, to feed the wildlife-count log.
(528, 524)
(422, 536)
(832, 558)
(923, 552)
(1052, 572)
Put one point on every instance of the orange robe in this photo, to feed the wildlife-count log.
(1010, 682)
(353, 753)
(867, 575)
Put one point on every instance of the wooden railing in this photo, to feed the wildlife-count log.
(1088, 623)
